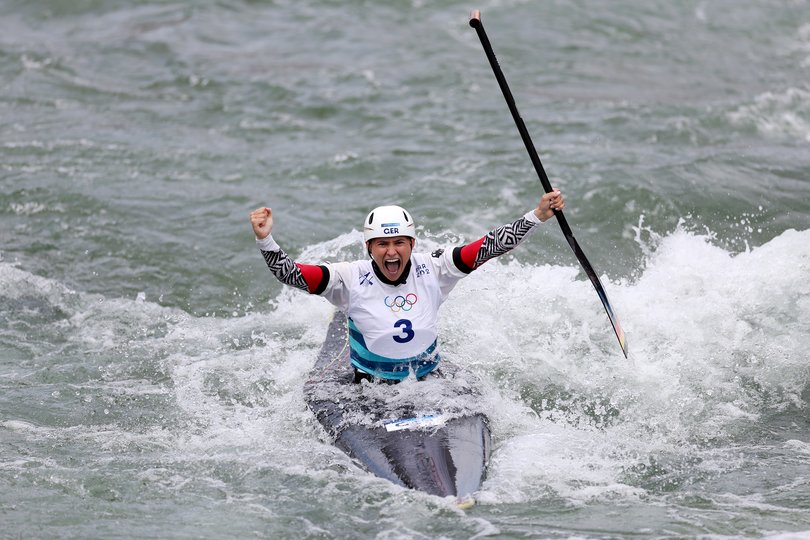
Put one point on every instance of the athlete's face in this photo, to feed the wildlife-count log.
(391, 254)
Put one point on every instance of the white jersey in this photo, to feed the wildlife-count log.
(393, 327)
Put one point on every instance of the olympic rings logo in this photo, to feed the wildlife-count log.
(401, 303)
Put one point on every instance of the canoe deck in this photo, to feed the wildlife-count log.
(428, 435)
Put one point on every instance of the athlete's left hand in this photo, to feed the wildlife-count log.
(549, 202)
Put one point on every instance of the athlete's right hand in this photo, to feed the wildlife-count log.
(262, 221)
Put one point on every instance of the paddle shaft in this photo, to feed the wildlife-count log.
(475, 22)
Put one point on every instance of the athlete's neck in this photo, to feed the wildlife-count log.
(400, 281)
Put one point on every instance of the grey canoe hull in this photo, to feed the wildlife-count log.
(406, 432)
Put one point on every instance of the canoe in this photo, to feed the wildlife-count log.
(429, 435)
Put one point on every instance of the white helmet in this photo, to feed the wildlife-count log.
(388, 221)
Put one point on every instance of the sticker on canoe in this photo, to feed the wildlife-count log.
(415, 423)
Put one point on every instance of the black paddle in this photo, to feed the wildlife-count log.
(475, 22)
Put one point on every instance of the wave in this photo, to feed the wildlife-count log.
(718, 357)
(779, 114)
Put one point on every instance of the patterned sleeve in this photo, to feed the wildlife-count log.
(496, 243)
(307, 277)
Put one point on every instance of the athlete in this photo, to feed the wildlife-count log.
(392, 300)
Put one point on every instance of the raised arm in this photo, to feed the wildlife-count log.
(506, 237)
(307, 277)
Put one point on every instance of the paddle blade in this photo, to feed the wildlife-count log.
(600, 290)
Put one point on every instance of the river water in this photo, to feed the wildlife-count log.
(151, 368)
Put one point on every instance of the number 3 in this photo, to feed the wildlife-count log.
(407, 331)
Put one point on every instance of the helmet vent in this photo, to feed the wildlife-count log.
(371, 218)
(406, 215)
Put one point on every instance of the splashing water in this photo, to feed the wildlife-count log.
(715, 386)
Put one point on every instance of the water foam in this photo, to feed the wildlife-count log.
(779, 114)
(717, 343)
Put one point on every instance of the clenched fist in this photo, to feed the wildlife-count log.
(262, 221)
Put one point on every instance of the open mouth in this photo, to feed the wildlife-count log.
(392, 266)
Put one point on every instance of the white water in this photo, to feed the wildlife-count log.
(718, 350)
